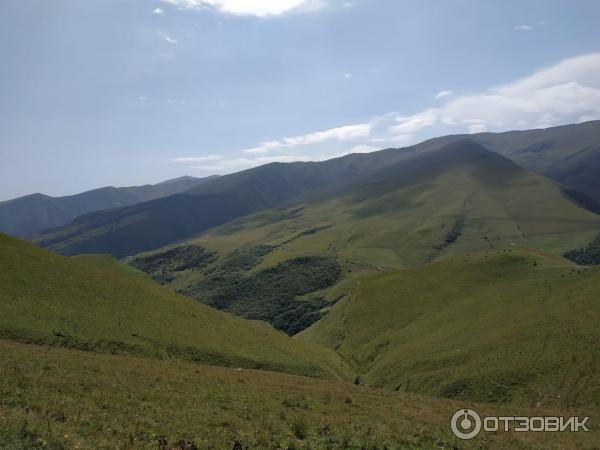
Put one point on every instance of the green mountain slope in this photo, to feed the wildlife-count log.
(94, 303)
(513, 326)
(569, 154)
(297, 261)
(37, 212)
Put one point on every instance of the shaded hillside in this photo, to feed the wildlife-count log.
(94, 303)
(569, 154)
(33, 213)
(146, 226)
(514, 326)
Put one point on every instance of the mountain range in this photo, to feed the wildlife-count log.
(156, 223)
(36, 212)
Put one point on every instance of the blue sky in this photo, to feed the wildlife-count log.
(126, 92)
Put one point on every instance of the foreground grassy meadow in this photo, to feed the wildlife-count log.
(57, 398)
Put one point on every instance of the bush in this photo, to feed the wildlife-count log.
(586, 256)
(271, 294)
(163, 266)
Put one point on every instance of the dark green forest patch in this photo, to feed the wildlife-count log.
(586, 256)
(163, 266)
(270, 294)
(244, 259)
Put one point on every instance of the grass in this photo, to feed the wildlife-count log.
(57, 398)
(516, 326)
(96, 304)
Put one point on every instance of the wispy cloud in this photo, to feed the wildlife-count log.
(170, 101)
(526, 27)
(169, 39)
(344, 133)
(259, 8)
(442, 94)
(158, 11)
(223, 165)
(566, 92)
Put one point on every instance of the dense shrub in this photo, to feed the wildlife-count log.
(271, 294)
(586, 256)
(163, 266)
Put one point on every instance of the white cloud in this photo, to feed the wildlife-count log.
(363, 148)
(562, 93)
(260, 8)
(158, 11)
(235, 164)
(344, 133)
(566, 92)
(526, 27)
(169, 39)
(414, 123)
(198, 158)
(442, 94)
(477, 128)
(348, 75)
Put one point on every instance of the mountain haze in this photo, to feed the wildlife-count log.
(36, 212)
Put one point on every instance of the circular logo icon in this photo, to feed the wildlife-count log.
(465, 424)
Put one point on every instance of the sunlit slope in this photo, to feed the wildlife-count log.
(510, 326)
(457, 200)
(62, 399)
(94, 303)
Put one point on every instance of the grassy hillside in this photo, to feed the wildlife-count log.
(458, 200)
(34, 213)
(65, 399)
(513, 326)
(94, 303)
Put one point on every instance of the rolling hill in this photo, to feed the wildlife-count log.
(568, 154)
(94, 303)
(512, 326)
(34, 213)
(457, 200)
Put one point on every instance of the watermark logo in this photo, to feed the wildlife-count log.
(466, 424)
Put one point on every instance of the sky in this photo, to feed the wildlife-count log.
(129, 92)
